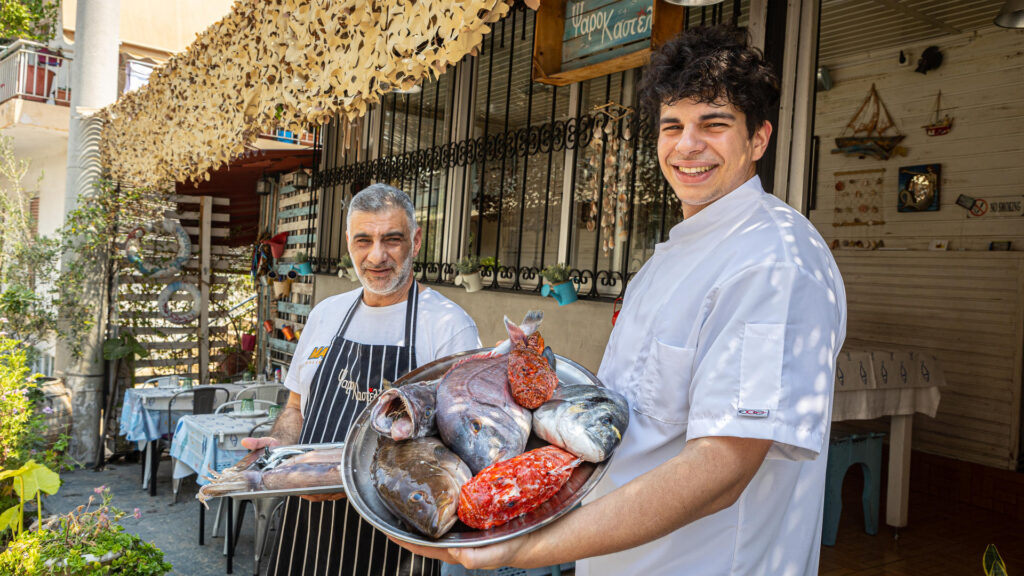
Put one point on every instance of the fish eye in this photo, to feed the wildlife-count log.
(417, 496)
(475, 426)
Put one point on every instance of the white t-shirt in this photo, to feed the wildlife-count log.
(732, 328)
(442, 329)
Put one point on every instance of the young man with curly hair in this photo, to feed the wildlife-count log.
(725, 349)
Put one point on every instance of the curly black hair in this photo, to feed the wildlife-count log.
(711, 64)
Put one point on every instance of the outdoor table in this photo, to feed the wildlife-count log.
(144, 417)
(205, 442)
(896, 383)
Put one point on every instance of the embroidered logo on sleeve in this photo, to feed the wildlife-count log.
(752, 413)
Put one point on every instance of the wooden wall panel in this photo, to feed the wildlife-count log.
(965, 309)
(982, 82)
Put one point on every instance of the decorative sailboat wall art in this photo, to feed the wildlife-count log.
(869, 127)
(939, 127)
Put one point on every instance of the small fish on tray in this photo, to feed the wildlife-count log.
(296, 467)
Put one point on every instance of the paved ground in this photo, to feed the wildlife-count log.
(173, 527)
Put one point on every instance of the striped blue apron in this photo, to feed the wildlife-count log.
(321, 538)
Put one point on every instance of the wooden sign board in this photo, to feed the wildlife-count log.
(575, 40)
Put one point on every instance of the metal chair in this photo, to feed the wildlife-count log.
(235, 405)
(204, 401)
(267, 392)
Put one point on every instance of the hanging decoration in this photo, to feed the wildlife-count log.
(939, 127)
(859, 198)
(869, 127)
(608, 167)
(270, 65)
(919, 188)
(169, 225)
(163, 302)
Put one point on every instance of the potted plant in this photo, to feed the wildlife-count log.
(282, 284)
(559, 286)
(346, 269)
(302, 265)
(86, 541)
(468, 274)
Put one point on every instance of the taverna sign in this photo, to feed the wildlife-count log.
(575, 40)
(598, 30)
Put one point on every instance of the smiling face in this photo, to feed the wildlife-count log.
(705, 151)
(382, 250)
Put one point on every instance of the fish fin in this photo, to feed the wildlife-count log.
(516, 334)
(480, 356)
(531, 322)
(549, 355)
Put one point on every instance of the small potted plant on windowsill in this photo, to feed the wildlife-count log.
(302, 265)
(346, 269)
(559, 286)
(468, 274)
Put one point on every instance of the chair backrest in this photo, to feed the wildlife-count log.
(263, 428)
(269, 392)
(204, 399)
(235, 405)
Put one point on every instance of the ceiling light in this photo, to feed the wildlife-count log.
(1012, 14)
(694, 3)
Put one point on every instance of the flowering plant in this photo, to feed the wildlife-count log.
(86, 541)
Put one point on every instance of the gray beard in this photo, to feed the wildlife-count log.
(403, 274)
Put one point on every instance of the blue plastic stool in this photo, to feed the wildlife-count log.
(865, 450)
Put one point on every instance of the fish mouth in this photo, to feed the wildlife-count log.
(394, 416)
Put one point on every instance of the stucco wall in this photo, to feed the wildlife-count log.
(578, 331)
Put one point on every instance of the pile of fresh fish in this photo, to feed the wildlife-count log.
(482, 409)
(279, 468)
(419, 480)
(514, 487)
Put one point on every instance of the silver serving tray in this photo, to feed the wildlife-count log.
(255, 494)
(361, 442)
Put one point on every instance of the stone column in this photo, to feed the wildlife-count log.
(93, 86)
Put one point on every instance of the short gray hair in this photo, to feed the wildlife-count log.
(378, 198)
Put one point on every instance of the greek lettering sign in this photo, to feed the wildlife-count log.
(575, 40)
(597, 30)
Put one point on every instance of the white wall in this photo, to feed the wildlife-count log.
(47, 174)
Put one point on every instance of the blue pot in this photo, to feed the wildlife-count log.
(564, 293)
(304, 268)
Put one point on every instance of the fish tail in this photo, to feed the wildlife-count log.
(531, 322)
(516, 334)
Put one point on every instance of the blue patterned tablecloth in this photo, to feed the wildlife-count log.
(144, 412)
(207, 442)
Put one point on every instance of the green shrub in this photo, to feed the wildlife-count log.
(556, 273)
(70, 544)
(346, 261)
(467, 265)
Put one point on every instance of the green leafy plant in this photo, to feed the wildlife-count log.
(490, 262)
(28, 481)
(28, 20)
(122, 347)
(87, 541)
(301, 257)
(555, 273)
(346, 261)
(468, 265)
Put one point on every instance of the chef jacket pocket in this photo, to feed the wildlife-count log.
(663, 392)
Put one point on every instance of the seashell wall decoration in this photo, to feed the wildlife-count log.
(282, 64)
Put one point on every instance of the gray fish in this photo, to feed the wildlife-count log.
(407, 411)
(419, 481)
(587, 420)
(476, 415)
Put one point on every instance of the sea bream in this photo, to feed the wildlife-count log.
(584, 419)
(419, 480)
(476, 414)
(514, 487)
(407, 411)
(280, 468)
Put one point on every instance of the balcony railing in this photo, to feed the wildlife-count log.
(29, 71)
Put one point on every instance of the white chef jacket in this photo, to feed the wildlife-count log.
(732, 328)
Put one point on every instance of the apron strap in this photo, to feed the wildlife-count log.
(411, 308)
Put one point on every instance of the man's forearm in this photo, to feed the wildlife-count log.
(708, 476)
(288, 426)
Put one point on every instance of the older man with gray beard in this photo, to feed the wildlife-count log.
(353, 347)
